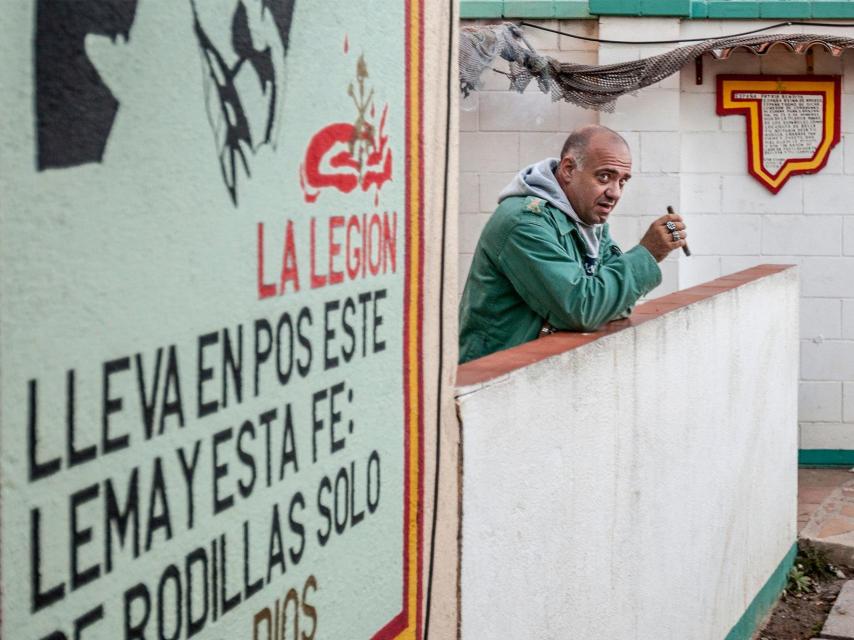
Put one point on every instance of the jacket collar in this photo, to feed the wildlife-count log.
(564, 224)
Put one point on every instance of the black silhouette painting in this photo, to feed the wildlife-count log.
(244, 78)
(75, 110)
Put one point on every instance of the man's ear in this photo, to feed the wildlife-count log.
(567, 167)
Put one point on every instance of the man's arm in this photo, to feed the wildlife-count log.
(610, 251)
(555, 285)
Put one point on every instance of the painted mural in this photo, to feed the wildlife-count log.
(249, 54)
(211, 320)
(357, 154)
(75, 110)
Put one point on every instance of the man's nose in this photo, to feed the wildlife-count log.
(614, 191)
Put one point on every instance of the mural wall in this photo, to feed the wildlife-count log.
(213, 285)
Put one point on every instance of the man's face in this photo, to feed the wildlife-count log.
(594, 186)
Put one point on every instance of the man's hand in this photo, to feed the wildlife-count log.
(660, 240)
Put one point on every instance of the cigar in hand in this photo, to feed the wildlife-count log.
(685, 248)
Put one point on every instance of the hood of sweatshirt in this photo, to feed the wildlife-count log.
(539, 180)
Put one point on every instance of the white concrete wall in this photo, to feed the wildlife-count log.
(642, 486)
(687, 156)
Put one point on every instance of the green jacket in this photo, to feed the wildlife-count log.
(528, 268)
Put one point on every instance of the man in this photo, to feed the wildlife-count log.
(545, 259)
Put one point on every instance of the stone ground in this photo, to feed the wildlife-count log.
(826, 521)
(826, 511)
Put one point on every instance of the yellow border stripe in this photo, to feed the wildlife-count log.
(413, 331)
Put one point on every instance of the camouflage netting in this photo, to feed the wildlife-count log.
(593, 86)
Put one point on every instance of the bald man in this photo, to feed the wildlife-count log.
(545, 259)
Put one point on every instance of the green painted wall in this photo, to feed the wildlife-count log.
(211, 285)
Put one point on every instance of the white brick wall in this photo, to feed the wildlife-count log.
(824, 193)
(650, 110)
(724, 234)
(743, 193)
(697, 112)
(659, 151)
(821, 318)
(824, 435)
(848, 319)
(469, 192)
(848, 236)
(848, 153)
(506, 111)
(533, 145)
(698, 269)
(827, 360)
(648, 195)
(687, 156)
(491, 185)
(488, 152)
(700, 193)
(825, 277)
(820, 401)
(470, 228)
(713, 152)
(807, 235)
(848, 402)
(731, 264)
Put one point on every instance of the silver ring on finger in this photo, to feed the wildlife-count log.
(670, 226)
(676, 236)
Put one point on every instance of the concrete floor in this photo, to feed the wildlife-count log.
(816, 485)
(826, 511)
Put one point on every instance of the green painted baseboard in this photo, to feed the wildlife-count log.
(826, 458)
(764, 600)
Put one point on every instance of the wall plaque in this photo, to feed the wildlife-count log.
(792, 122)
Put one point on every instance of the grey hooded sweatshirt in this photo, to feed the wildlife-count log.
(539, 180)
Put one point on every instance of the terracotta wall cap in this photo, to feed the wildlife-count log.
(500, 363)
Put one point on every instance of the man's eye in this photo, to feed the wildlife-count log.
(603, 177)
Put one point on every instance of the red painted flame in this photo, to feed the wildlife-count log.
(335, 144)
